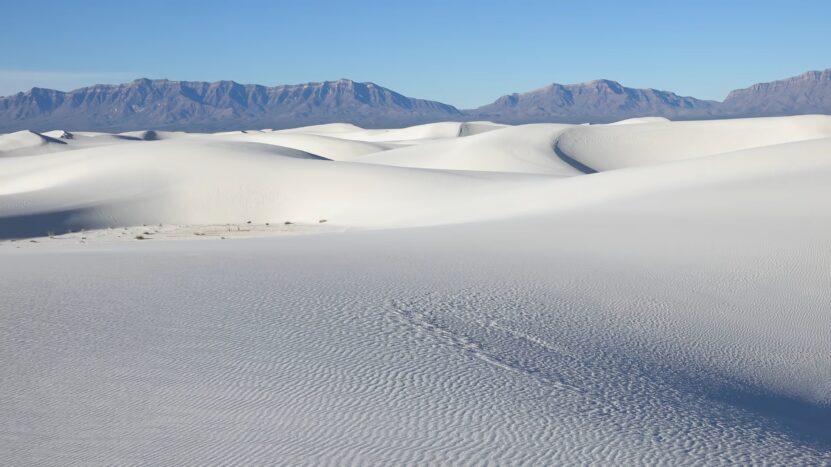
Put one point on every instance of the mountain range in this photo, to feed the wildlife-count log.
(226, 105)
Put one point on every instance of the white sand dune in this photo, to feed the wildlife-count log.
(630, 121)
(606, 147)
(327, 146)
(28, 142)
(524, 149)
(153, 135)
(323, 129)
(195, 181)
(410, 135)
(670, 309)
(475, 128)
(58, 134)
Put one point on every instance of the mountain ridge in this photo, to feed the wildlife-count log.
(227, 105)
(168, 104)
(809, 92)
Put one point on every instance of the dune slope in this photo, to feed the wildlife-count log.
(670, 312)
(606, 147)
(523, 149)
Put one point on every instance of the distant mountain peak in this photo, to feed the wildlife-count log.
(600, 100)
(809, 92)
(815, 75)
(808, 77)
(601, 83)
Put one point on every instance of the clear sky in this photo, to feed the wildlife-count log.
(465, 53)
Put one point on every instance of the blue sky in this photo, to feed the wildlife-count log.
(465, 53)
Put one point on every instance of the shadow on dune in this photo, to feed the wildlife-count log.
(572, 162)
(49, 223)
(466, 321)
(805, 422)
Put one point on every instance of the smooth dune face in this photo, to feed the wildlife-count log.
(630, 121)
(411, 135)
(28, 142)
(215, 182)
(525, 149)
(473, 297)
(606, 147)
(331, 147)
